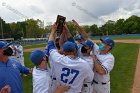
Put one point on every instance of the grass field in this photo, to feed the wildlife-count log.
(122, 75)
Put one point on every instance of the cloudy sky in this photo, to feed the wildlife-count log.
(84, 11)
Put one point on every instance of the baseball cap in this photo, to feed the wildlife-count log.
(17, 42)
(4, 44)
(69, 46)
(88, 43)
(108, 41)
(80, 37)
(36, 56)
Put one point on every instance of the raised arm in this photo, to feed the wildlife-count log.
(80, 30)
(67, 32)
(62, 39)
(53, 33)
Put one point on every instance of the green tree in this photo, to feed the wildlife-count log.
(119, 26)
(132, 25)
(34, 30)
(71, 28)
(94, 30)
(16, 30)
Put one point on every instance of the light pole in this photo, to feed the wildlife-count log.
(1, 29)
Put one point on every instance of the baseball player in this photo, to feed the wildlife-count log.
(69, 69)
(10, 70)
(84, 51)
(41, 76)
(80, 40)
(103, 62)
(59, 42)
(19, 53)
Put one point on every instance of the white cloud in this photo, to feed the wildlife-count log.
(84, 11)
(125, 10)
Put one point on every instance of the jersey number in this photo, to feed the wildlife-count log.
(67, 73)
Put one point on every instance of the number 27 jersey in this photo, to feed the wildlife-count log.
(70, 71)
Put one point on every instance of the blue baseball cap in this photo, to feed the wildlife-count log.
(108, 41)
(88, 43)
(36, 56)
(80, 37)
(4, 44)
(69, 46)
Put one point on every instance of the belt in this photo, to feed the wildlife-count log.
(54, 78)
(85, 85)
(103, 83)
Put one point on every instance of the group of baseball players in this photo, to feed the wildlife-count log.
(65, 66)
(81, 66)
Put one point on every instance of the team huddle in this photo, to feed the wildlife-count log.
(67, 65)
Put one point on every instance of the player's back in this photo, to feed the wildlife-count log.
(73, 72)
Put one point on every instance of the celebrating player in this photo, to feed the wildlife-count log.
(19, 53)
(84, 51)
(103, 62)
(69, 69)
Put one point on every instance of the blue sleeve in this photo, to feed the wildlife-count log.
(51, 46)
(46, 52)
(23, 69)
(71, 39)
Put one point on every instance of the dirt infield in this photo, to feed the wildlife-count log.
(123, 41)
(31, 49)
(136, 84)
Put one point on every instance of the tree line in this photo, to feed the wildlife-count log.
(31, 28)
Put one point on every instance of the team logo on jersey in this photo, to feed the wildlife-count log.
(14, 66)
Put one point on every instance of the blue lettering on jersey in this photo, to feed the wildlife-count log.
(66, 73)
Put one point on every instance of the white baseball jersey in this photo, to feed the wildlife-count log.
(19, 48)
(41, 81)
(19, 56)
(87, 86)
(107, 62)
(88, 59)
(70, 71)
(53, 78)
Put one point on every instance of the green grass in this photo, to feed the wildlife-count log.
(34, 46)
(122, 38)
(125, 64)
(122, 75)
(27, 81)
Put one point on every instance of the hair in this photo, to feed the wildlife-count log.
(37, 64)
(57, 43)
(69, 53)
